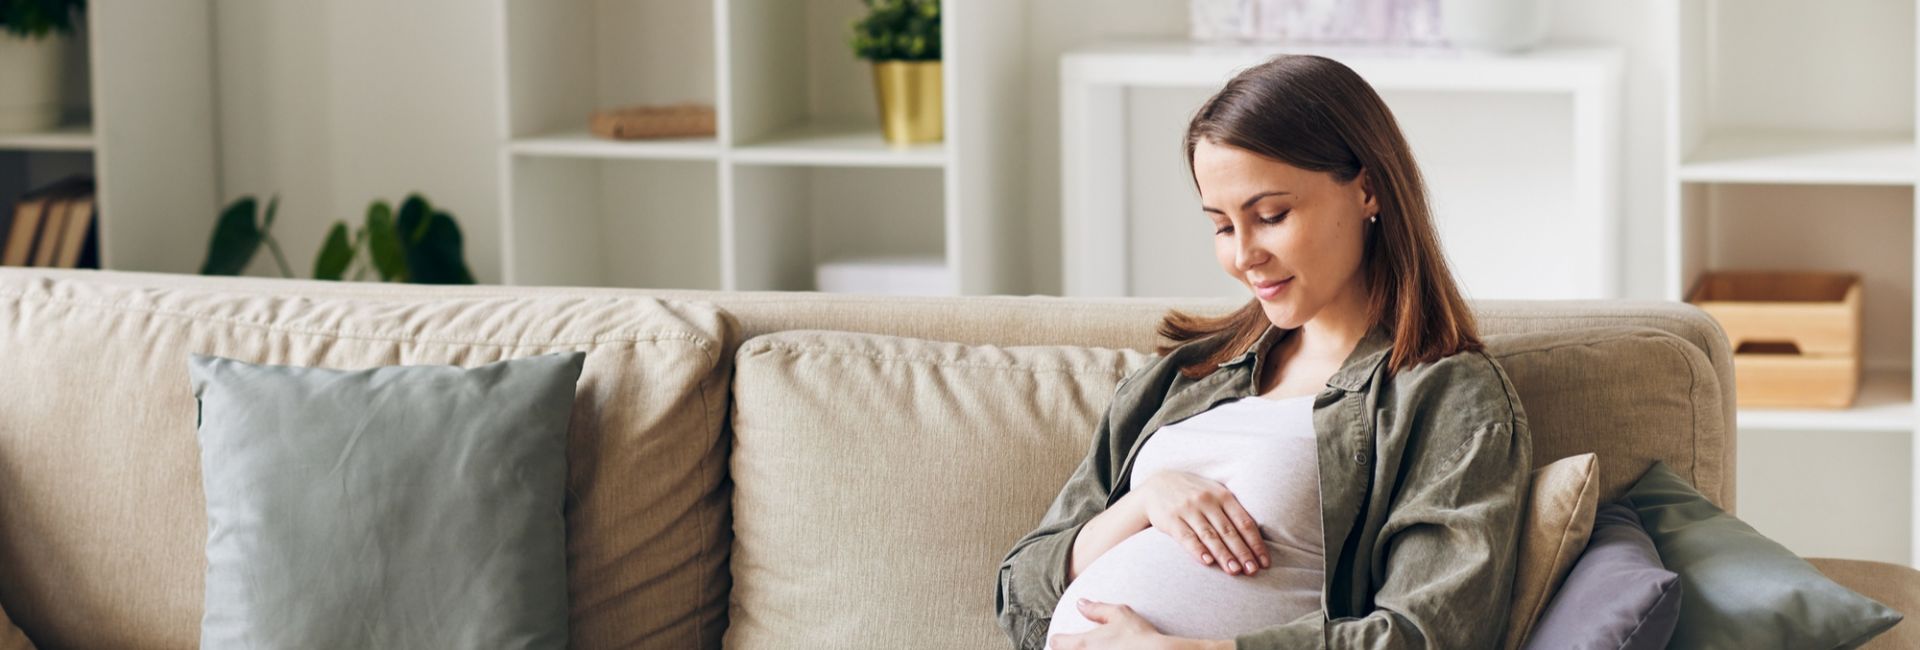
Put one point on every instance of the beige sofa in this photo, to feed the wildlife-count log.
(747, 469)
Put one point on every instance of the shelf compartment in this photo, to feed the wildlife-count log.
(841, 143)
(614, 223)
(567, 58)
(789, 218)
(1746, 48)
(1801, 157)
(581, 144)
(1885, 404)
(66, 138)
(794, 82)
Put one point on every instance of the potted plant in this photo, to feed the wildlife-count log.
(32, 36)
(419, 243)
(902, 39)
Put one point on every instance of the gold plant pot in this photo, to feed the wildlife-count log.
(910, 101)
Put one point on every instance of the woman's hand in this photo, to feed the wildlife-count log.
(1206, 518)
(1121, 629)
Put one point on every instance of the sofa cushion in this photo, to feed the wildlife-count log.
(879, 480)
(399, 506)
(1743, 590)
(1618, 596)
(1559, 517)
(99, 427)
(1630, 395)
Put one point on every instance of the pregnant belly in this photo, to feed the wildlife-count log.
(1181, 597)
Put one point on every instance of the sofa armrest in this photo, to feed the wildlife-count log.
(1894, 585)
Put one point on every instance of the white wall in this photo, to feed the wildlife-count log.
(333, 104)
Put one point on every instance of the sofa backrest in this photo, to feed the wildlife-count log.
(1128, 323)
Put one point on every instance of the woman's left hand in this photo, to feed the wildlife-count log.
(1119, 628)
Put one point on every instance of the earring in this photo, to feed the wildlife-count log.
(1373, 219)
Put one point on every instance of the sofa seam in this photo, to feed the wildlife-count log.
(618, 337)
(920, 360)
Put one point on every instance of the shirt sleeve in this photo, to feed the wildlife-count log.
(1034, 573)
(1447, 550)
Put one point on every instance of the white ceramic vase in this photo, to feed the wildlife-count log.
(29, 83)
(1493, 25)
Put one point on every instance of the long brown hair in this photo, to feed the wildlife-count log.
(1317, 114)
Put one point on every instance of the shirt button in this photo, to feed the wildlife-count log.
(1360, 457)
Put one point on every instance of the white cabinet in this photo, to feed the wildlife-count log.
(797, 174)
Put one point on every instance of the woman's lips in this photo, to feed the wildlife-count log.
(1267, 292)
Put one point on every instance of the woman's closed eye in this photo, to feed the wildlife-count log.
(1266, 220)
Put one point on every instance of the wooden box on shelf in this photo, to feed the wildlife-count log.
(1795, 334)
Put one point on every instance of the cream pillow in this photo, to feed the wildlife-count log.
(879, 481)
(1558, 520)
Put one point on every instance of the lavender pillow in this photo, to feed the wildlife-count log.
(1618, 594)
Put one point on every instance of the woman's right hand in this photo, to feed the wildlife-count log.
(1205, 517)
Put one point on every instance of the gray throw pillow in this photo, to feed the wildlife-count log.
(1616, 597)
(396, 507)
(1742, 589)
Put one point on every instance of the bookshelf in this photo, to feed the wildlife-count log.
(797, 173)
(147, 136)
(1791, 146)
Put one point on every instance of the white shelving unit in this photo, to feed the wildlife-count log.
(147, 137)
(1791, 146)
(798, 173)
(1578, 255)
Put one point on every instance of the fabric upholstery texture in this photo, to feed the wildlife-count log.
(1630, 395)
(110, 550)
(11, 638)
(391, 507)
(1618, 596)
(885, 523)
(1559, 518)
(1743, 590)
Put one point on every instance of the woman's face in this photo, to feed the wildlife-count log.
(1292, 237)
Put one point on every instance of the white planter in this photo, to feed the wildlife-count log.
(1493, 25)
(29, 83)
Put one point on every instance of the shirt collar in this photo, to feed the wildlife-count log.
(1353, 372)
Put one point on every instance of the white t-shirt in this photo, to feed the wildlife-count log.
(1261, 449)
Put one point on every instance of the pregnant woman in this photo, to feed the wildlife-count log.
(1335, 465)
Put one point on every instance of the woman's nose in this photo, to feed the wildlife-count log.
(1246, 254)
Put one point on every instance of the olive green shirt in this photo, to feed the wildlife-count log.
(1422, 478)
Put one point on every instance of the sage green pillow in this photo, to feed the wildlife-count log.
(397, 507)
(1742, 589)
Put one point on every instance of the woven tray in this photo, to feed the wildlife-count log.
(641, 122)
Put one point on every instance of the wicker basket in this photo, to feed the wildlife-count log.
(642, 122)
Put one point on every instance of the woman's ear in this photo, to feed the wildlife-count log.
(1368, 198)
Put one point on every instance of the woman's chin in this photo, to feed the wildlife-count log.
(1283, 317)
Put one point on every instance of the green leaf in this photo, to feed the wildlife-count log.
(436, 257)
(413, 220)
(383, 243)
(335, 255)
(235, 239)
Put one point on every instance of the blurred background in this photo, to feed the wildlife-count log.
(1755, 157)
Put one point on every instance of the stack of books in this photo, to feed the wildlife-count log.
(52, 226)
